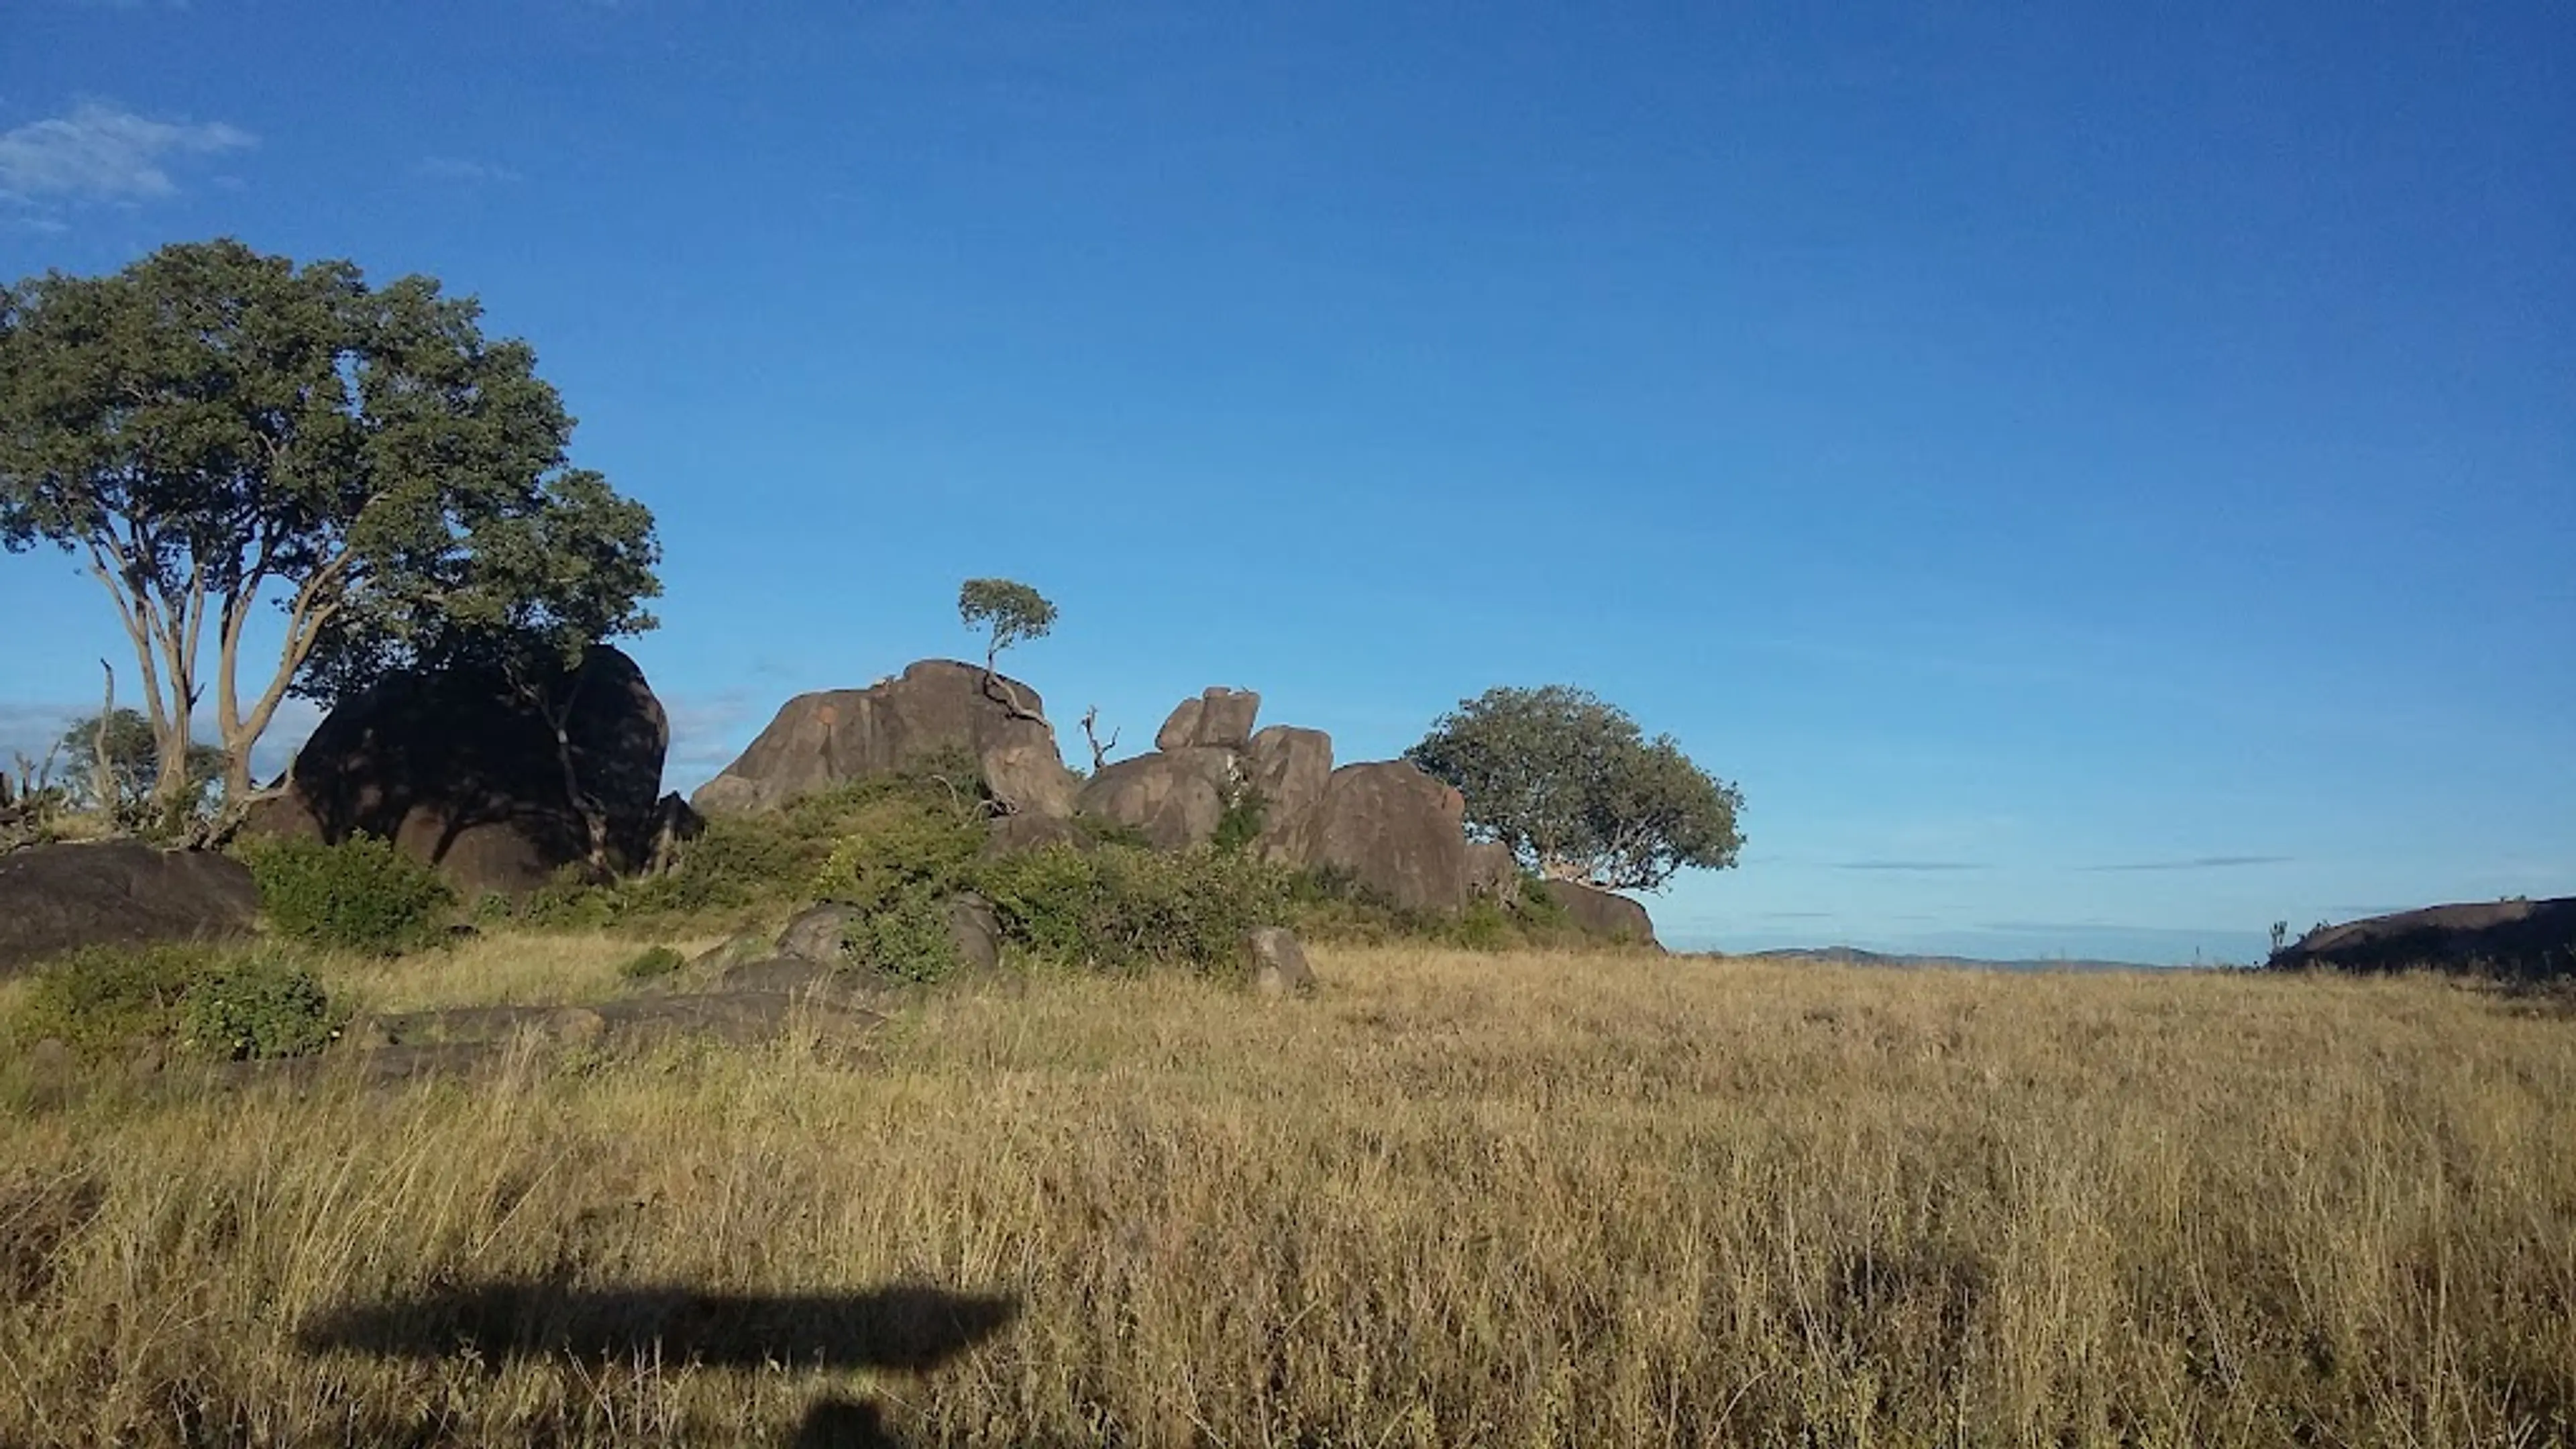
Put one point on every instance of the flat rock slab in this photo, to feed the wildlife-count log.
(57, 898)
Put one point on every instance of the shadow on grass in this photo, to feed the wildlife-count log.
(903, 1328)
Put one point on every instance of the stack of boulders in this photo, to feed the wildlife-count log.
(1385, 825)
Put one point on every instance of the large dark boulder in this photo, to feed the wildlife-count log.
(1605, 914)
(1219, 719)
(938, 708)
(2525, 939)
(461, 771)
(1396, 832)
(1175, 797)
(58, 898)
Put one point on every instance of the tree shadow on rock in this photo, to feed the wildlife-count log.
(909, 1328)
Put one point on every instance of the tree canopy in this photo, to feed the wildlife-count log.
(1008, 610)
(132, 762)
(211, 429)
(1577, 791)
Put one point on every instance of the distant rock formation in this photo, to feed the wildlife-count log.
(58, 898)
(1606, 914)
(460, 771)
(2529, 940)
(937, 707)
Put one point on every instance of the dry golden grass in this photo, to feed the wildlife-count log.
(1454, 1200)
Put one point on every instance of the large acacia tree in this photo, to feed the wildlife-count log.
(1577, 791)
(211, 430)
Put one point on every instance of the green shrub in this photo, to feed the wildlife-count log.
(101, 997)
(360, 895)
(899, 846)
(256, 1009)
(906, 937)
(652, 964)
(1484, 926)
(1240, 825)
(1121, 908)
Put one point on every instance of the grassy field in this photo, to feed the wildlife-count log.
(1453, 1200)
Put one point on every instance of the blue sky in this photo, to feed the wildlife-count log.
(2101, 479)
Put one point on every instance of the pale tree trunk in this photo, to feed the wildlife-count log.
(308, 611)
(102, 770)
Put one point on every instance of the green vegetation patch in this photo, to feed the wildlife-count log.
(361, 895)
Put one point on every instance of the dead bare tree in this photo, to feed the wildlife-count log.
(1091, 735)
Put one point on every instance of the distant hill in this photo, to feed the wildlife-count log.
(1854, 956)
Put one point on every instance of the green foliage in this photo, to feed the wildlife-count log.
(1102, 830)
(360, 895)
(897, 846)
(1120, 908)
(362, 454)
(256, 1009)
(133, 757)
(1566, 780)
(907, 936)
(1007, 609)
(100, 997)
(746, 866)
(652, 964)
(1241, 823)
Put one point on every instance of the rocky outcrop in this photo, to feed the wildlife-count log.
(938, 708)
(462, 771)
(58, 898)
(1398, 833)
(1605, 914)
(1291, 769)
(2530, 940)
(1219, 719)
(1176, 798)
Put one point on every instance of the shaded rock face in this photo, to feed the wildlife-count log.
(1292, 768)
(1398, 832)
(1219, 719)
(1274, 964)
(937, 707)
(58, 898)
(1493, 873)
(461, 772)
(2528, 939)
(1175, 797)
(1606, 914)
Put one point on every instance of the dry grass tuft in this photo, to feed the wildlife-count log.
(1536, 1199)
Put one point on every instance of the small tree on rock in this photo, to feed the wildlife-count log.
(1577, 791)
(1009, 611)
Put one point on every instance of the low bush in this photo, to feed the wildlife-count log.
(906, 937)
(360, 895)
(209, 1000)
(256, 1009)
(100, 997)
(652, 964)
(1120, 908)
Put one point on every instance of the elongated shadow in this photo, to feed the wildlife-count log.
(900, 1327)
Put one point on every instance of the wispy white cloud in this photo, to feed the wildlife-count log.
(1913, 866)
(103, 152)
(462, 169)
(2197, 862)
